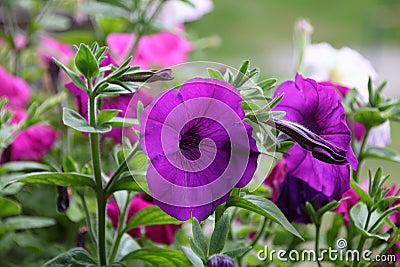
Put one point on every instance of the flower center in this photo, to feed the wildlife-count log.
(189, 144)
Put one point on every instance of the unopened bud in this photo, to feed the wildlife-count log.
(64, 194)
(147, 76)
(220, 260)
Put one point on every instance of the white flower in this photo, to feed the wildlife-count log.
(343, 66)
(380, 135)
(174, 12)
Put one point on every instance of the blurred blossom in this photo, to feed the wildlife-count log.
(176, 12)
(379, 136)
(20, 41)
(163, 234)
(15, 89)
(343, 66)
(159, 50)
(276, 177)
(304, 26)
(31, 143)
(50, 47)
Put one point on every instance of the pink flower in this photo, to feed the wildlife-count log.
(50, 47)
(276, 177)
(20, 41)
(31, 143)
(15, 89)
(163, 234)
(158, 50)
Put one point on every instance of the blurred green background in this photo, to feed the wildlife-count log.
(262, 31)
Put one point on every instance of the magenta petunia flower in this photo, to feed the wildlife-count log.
(126, 102)
(15, 89)
(199, 147)
(163, 234)
(50, 47)
(319, 109)
(158, 50)
(31, 143)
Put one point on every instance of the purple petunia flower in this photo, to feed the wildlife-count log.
(319, 109)
(199, 147)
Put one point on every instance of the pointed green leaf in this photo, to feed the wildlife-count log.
(361, 193)
(151, 215)
(218, 237)
(73, 257)
(72, 75)
(193, 258)
(215, 74)
(237, 252)
(198, 236)
(54, 178)
(159, 257)
(75, 120)
(9, 207)
(106, 115)
(86, 62)
(265, 208)
(381, 153)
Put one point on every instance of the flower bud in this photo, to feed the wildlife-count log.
(320, 148)
(63, 198)
(81, 240)
(148, 76)
(220, 260)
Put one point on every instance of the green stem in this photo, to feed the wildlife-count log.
(100, 193)
(317, 234)
(255, 240)
(121, 169)
(363, 239)
(360, 155)
(120, 231)
(88, 219)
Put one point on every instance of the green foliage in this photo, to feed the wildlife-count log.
(159, 257)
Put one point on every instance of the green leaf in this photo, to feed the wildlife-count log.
(86, 62)
(54, 178)
(151, 215)
(126, 182)
(72, 75)
(267, 84)
(215, 74)
(73, 258)
(159, 257)
(21, 166)
(358, 216)
(328, 207)
(123, 122)
(193, 258)
(361, 193)
(69, 165)
(198, 237)
(369, 117)
(237, 252)
(196, 249)
(9, 207)
(265, 208)
(218, 237)
(26, 222)
(140, 108)
(75, 120)
(285, 146)
(381, 153)
(106, 115)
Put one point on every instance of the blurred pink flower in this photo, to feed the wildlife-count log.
(15, 89)
(158, 50)
(379, 136)
(50, 47)
(276, 177)
(20, 41)
(163, 234)
(32, 143)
